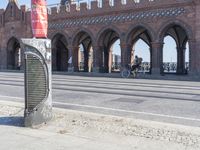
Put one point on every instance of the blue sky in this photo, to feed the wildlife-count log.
(142, 50)
(3, 3)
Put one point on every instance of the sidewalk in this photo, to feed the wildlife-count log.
(73, 130)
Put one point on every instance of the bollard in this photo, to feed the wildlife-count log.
(38, 82)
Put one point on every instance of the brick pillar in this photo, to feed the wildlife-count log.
(106, 60)
(75, 58)
(3, 60)
(181, 60)
(195, 44)
(125, 55)
(22, 59)
(54, 53)
(97, 58)
(157, 57)
(194, 63)
(86, 60)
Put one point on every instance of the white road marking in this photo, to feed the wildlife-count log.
(12, 97)
(128, 111)
(113, 109)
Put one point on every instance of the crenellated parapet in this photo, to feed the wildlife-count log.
(113, 11)
(107, 6)
(12, 13)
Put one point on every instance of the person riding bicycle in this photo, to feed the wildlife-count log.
(132, 69)
(137, 63)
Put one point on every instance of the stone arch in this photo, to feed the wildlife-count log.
(105, 39)
(62, 32)
(181, 33)
(144, 33)
(82, 42)
(133, 27)
(166, 25)
(14, 54)
(107, 28)
(82, 30)
(60, 52)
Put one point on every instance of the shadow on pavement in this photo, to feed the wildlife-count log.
(12, 121)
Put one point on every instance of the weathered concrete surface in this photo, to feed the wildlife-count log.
(170, 101)
(88, 131)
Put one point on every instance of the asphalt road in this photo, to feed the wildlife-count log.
(160, 100)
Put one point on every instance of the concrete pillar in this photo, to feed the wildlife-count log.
(181, 60)
(157, 57)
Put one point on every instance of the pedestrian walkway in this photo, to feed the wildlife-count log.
(74, 130)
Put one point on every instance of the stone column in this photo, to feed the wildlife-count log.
(75, 58)
(181, 60)
(110, 60)
(90, 53)
(157, 57)
(125, 55)
(54, 58)
(97, 58)
(106, 58)
(3, 60)
(132, 54)
(195, 44)
(194, 50)
(22, 59)
(86, 60)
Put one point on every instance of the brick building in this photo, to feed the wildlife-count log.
(99, 24)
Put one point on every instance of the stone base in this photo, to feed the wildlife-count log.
(96, 69)
(194, 74)
(155, 71)
(41, 115)
(71, 69)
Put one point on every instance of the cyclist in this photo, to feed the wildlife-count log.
(135, 67)
(132, 69)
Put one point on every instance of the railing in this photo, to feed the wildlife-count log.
(171, 67)
(168, 67)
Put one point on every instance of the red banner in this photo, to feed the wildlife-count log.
(39, 18)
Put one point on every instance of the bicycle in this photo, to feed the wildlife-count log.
(130, 70)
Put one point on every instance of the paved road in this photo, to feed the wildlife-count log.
(160, 100)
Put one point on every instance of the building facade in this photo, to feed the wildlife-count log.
(96, 26)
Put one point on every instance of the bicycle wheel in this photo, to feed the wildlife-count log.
(125, 73)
